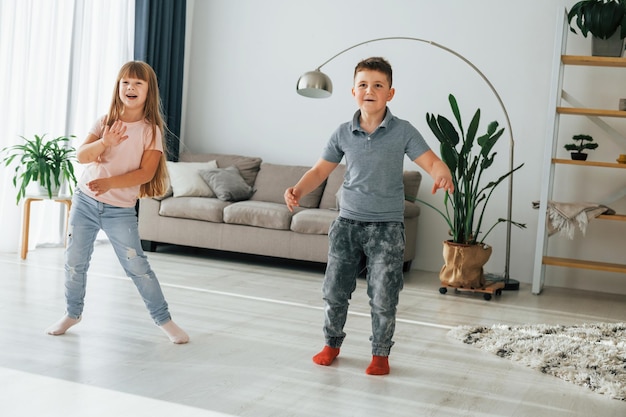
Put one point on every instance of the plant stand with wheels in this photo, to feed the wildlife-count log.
(488, 290)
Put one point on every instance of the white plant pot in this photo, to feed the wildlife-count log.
(613, 46)
(42, 190)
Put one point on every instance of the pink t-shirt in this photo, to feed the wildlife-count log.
(118, 160)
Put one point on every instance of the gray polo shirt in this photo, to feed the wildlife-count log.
(373, 189)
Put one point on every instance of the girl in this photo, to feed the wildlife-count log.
(124, 153)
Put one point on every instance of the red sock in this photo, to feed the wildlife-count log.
(326, 356)
(378, 366)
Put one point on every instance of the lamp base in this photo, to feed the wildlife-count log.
(509, 284)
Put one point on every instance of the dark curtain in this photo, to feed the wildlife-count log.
(160, 41)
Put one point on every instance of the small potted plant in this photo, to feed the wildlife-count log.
(46, 162)
(605, 20)
(584, 142)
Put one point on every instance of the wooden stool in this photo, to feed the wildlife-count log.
(26, 220)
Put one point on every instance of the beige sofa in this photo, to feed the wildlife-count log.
(262, 224)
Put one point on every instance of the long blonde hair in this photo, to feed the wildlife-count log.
(153, 114)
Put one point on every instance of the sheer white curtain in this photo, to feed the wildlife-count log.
(59, 61)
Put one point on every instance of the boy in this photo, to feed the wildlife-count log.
(370, 223)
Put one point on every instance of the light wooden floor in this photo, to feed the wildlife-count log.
(254, 325)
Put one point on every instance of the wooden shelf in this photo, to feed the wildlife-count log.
(561, 103)
(594, 61)
(591, 112)
(618, 217)
(588, 163)
(581, 264)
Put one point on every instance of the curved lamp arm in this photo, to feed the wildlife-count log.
(316, 84)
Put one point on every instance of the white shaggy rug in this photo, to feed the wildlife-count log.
(592, 355)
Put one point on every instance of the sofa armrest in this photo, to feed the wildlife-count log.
(411, 210)
(148, 216)
(412, 181)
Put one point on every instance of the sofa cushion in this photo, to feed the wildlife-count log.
(258, 213)
(333, 184)
(313, 221)
(207, 209)
(274, 179)
(227, 183)
(186, 181)
(248, 166)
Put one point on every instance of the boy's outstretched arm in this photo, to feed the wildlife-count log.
(309, 182)
(437, 169)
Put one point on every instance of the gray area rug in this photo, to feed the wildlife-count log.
(591, 355)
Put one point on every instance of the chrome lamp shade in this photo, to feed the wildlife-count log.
(315, 84)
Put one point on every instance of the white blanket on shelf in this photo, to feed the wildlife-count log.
(566, 217)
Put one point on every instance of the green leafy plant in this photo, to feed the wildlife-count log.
(584, 142)
(47, 162)
(601, 18)
(467, 157)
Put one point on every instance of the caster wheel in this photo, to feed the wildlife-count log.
(443, 290)
(487, 297)
(498, 292)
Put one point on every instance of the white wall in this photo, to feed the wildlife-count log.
(244, 58)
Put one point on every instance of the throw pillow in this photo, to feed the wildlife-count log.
(274, 179)
(227, 183)
(248, 166)
(186, 181)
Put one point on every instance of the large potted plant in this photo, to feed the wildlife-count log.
(605, 20)
(46, 162)
(468, 157)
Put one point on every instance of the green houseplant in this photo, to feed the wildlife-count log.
(605, 20)
(47, 162)
(583, 142)
(467, 156)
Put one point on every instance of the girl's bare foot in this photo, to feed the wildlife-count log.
(61, 326)
(175, 333)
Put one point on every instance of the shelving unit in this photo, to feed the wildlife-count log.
(551, 161)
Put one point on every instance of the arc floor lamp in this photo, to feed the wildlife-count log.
(316, 84)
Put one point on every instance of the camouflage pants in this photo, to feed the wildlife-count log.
(380, 247)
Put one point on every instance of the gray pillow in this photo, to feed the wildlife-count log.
(227, 183)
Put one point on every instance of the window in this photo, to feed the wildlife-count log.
(59, 64)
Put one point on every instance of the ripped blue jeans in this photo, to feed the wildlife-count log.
(381, 246)
(87, 217)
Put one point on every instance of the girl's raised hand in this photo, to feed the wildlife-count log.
(115, 134)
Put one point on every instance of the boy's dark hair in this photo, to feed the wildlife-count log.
(375, 63)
